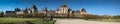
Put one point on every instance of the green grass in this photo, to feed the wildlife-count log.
(33, 20)
(5, 20)
(44, 22)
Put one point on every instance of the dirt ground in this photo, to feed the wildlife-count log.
(80, 21)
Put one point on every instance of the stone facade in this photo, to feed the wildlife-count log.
(34, 9)
(61, 11)
(83, 11)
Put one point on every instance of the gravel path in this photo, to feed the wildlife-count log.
(80, 21)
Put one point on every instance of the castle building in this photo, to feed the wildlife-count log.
(63, 9)
(69, 11)
(29, 11)
(20, 12)
(82, 11)
(10, 13)
(44, 10)
(76, 13)
(17, 9)
(34, 9)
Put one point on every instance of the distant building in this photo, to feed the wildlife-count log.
(20, 12)
(10, 13)
(34, 9)
(29, 11)
(82, 11)
(69, 11)
(17, 9)
(63, 9)
(44, 10)
(76, 13)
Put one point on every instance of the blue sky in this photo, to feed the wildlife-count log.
(100, 7)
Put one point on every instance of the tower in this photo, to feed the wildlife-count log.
(69, 12)
(69, 9)
(29, 11)
(26, 11)
(63, 9)
(34, 9)
(17, 9)
(82, 11)
(44, 10)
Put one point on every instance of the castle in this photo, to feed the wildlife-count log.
(62, 11)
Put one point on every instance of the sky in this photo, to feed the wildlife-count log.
(99, 7)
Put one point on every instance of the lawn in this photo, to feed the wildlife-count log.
(23, 20)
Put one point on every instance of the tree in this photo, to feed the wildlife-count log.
(116, 17)
(1, 14)
(52, 14)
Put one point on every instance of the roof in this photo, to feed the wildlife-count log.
(10, 12)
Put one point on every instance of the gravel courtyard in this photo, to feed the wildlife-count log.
(80, 21)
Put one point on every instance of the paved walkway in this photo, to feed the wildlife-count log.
(80, 21)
